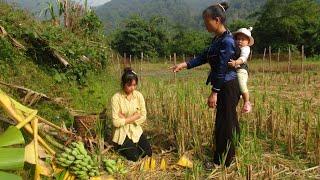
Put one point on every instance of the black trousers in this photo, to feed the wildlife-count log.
(227, 130)
(133, 151)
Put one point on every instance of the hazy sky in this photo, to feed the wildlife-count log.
(94, 2)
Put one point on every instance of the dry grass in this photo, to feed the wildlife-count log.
(280, 138)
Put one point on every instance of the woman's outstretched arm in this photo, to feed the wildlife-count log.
(199, 60)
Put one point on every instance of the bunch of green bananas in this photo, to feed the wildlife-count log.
(115, 167)
(77, 159)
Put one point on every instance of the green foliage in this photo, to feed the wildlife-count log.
(189, 42)
(141, 36)
(289, 22)
(90, 23)
(157, 38)
(11, 158)
(51, 9)
(88, 41)
(6, 50)
(9, 176)
(186, 13)
(237, 24)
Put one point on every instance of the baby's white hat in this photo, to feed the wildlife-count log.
(247, 32)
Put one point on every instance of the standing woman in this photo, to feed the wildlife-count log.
(225, 92)
(128, 113)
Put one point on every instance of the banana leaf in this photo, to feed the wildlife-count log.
(11, 158)
(8, 176)
(11, 136)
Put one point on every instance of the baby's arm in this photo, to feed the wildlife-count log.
(245, 52)
(236, 63)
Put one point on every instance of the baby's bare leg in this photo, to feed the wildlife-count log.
(243, 79)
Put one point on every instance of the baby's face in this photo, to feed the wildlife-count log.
(242, 40)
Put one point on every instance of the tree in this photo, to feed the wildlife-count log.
(285, 22)
(189, 42)
(237, 24)
(90, 23)
(156, 37)
(140, 35)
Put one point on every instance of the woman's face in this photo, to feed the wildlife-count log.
(211, 24)
(130, 87)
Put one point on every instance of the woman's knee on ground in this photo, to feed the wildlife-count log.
(144, 146)
(131, 153)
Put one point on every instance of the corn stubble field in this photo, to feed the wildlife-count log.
(280, 138)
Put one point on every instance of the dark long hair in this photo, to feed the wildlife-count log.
(216, 10)
(128, 76)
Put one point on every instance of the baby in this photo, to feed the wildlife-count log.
(244, 40)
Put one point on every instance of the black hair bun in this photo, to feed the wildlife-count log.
(127, 70)
(225, 5)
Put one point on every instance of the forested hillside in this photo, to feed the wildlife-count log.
(183, 12)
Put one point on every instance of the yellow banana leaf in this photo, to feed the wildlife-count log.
(42, 169)
(28, 118)
(18, 111)
(45, 168)
(56, 169)
(8, 176)
(37, 173)
(29, 153)
(22, 115)
(13, 158)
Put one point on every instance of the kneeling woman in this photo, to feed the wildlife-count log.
(128, 113)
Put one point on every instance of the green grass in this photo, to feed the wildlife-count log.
(91, 98)
(270, 92)
(177, 112)
(42, 74)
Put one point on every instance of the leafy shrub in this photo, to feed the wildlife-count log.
(6, 50)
